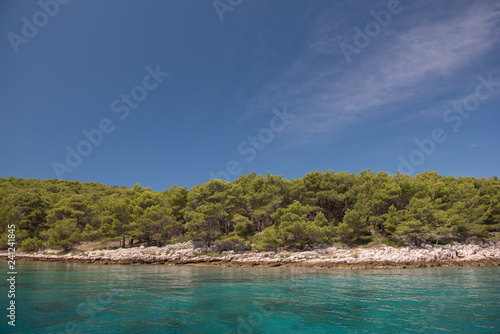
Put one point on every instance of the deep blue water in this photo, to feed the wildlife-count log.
(85, 298)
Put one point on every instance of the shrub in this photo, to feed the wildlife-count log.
(231, 242)
(31, 245)
(64, 234)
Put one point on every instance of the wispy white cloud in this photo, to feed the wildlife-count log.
(411, 63)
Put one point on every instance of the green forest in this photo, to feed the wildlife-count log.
(268, 212)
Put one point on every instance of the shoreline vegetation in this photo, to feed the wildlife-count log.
(195, 253)
(267, 219)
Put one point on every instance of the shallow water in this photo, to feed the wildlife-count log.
(85, 298)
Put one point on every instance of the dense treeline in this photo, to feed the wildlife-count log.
(269, 212)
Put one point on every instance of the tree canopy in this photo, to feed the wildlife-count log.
(266, 211)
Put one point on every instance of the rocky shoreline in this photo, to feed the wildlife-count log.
(192, 253)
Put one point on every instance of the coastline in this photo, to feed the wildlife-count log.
(375, 257)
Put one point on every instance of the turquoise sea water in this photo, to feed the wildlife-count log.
(85, 298)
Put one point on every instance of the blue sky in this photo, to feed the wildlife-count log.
(282, 86)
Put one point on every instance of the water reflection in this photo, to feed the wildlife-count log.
(60, 297)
